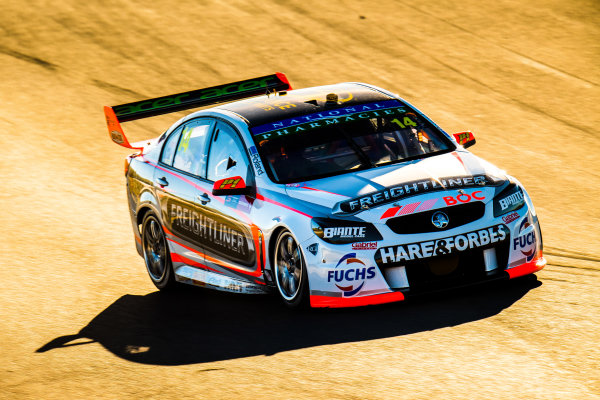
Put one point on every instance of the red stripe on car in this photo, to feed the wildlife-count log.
(338, 302)
(183, 178)
(409, 208)
(390, 212)
(324, 191)
(455, 154)
(220, 263)
(179, 258)
(426, 205)
(263, 198)
(527, 268)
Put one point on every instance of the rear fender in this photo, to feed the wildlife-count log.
(148, 203)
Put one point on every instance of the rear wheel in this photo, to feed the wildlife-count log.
(290, 271)
(156, 254)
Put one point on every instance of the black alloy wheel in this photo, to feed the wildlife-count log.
(290, 271)
(156, 254)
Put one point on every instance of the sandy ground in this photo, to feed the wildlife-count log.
(79, 318)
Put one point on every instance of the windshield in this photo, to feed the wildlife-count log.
(335, 141)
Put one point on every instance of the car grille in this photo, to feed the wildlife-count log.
(421, 222)
(454, 270)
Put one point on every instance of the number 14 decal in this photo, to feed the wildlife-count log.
(405, 121)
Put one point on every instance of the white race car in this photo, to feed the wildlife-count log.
(334, 196)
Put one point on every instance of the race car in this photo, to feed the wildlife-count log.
(332, 196)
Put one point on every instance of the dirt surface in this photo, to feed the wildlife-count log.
(79, 318)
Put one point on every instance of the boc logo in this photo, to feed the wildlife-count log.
(352, 279)
(525, 243)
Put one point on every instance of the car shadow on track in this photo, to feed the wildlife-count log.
(197, 326)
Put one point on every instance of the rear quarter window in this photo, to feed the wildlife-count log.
(170, 146)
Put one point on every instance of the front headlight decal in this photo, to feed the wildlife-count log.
(342, 232)
(510, 199)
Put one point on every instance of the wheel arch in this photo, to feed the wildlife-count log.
(272, 243)
(141, 214)
(142, 211)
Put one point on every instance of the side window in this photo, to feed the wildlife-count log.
(191, 151)
(169, 147)
(227, 155)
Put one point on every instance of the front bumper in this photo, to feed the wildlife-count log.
(350, 276)
(322, 301)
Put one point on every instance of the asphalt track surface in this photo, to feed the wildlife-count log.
(79, 318)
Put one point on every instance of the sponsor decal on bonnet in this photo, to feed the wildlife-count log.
(464, 198)
(409, 208)
(394, 193)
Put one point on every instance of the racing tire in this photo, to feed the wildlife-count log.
(290, 272)
(156, 254)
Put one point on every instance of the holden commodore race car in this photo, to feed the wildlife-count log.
(333, 196)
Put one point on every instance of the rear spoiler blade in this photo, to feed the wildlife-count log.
(186, 100)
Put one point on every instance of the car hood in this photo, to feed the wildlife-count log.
(334, 191)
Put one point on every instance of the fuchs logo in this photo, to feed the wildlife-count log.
(351, 280)
(526, 242)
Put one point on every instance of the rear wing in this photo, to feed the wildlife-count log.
(186, 100)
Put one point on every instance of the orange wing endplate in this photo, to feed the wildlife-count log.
(115, 131)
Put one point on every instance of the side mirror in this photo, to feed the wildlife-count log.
(227, 186)
(465, 139)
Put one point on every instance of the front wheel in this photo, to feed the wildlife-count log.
(156, 254)
(290, 271)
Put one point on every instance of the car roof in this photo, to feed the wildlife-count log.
(295, 103)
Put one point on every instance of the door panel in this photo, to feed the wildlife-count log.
(213, 230)
(234, 235)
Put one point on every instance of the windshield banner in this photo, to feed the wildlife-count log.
(330, 117)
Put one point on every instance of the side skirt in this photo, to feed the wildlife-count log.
(211, 280)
